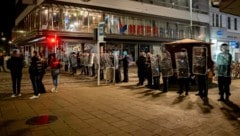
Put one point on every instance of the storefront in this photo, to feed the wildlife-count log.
(73, 26)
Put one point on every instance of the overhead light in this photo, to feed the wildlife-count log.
(215, 2)
(3, 39)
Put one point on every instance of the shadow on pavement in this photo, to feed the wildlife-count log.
(20, 132)
(178, 99)
(205, 106)
(6, 123)
(5, 96)
(231, 111)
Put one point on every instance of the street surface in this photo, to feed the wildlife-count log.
(81, 108)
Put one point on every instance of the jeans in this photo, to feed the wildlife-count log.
(55, 74)
(35, 83)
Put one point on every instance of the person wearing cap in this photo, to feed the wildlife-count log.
(224, 60)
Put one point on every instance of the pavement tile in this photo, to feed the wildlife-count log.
(120, 133)
(87, 131)
(120, 123)
(129, 128)
(46, 132)
(141, 132)
(82, 108)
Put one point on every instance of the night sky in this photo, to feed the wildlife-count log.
(7, 16)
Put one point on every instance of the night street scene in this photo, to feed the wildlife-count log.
(119, 68)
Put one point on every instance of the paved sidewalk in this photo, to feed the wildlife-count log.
(80, 108)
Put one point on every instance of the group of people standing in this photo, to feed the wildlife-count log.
(36, 70)
(151, 67)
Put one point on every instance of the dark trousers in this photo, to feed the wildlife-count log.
(16, 82)
(125, 74)
(117, 76)
(141, 77)
(183, 83)
(156, 82)
(41, 85)
(224, 86)
(165, 84)
(93, 70)
(149, 79)
(74, 70)
(101, 74)
(66, 67)
(202, 85)
(35, 83)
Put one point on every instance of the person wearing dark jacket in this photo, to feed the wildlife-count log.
(34, 75)
(141, 67)
(41, 67)
(15, 65)
(125, 66)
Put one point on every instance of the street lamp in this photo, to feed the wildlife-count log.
(3, 38)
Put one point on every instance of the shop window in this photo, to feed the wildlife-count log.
(148, 28)
(44, 18)
(131, 26)
(140, 27)
(56, 17)
(235, 24)
(217, 20)
(123, 26)
(70, 20)
(229, 22)
(113, 24)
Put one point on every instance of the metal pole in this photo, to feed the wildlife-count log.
(190, 4)
(98, 56)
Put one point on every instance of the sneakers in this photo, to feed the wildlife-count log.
(13, 95)
(54, 89)
(35, 96)
(16, 95)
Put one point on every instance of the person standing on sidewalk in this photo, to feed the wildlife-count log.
(166, 67)
(41, 66)
(125, 66)
(224, 60)
(34, 75)
(2, 62)
(200, 70)
(182, 71)
(66, 62)
(15, 65)
(141, 68)
(55, 71)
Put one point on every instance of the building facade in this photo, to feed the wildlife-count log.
(225, 28)
(131, 25)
